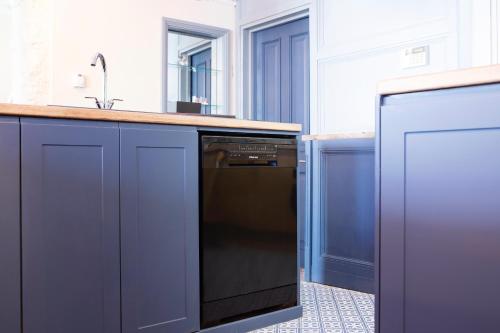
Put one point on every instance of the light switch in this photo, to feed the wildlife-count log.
(414, 56)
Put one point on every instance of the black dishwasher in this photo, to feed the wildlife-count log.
(248, 227)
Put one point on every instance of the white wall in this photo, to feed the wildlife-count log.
(354, 44)
(5, 33)
(129, 34)
(26, 50)
(50, 41)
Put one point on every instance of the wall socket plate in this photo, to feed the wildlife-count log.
(411, 57)
(78, 81)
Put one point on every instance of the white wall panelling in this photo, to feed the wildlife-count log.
(258, 11)
(354, 44)
(495, 21)
(359, 43)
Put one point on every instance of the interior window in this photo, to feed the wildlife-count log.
(195, 80)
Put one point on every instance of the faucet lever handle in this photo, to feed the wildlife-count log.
(111, 102)
(97, 102)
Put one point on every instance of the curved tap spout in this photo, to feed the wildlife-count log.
(100, 57)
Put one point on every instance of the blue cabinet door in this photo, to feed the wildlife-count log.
(159, 228)
(439, 210)
(10, 261)
(343, 214)
(70, 226)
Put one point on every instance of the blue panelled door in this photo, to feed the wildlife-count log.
(281, 73)
(201, 76)
(280, 62)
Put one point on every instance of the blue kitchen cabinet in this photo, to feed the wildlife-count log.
(439, 211)
(70, 226)
(10, 262)
(159, 228)
(343, 214)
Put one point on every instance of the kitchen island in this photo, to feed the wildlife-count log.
(438, 203)
(100, 220)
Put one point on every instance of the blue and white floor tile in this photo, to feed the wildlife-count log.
(330, 310)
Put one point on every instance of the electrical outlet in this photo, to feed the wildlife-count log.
(414, 57)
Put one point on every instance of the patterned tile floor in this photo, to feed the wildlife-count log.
(330, 310)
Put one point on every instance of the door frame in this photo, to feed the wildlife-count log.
(201, 30)
(244, 59)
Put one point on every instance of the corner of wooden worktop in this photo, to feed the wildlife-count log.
(339, 136)
(440, 80)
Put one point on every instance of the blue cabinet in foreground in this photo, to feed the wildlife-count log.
(159, 228)
(439, 211)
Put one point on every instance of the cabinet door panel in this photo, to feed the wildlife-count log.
(10, 261)
(440, 212)
(159, 219)
(70, 226)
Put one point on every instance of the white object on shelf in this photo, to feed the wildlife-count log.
(78, 81)
(414, 57)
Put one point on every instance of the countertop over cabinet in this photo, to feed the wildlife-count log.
(338, 136)
(443, 80)
(141, 117)
(88, 187)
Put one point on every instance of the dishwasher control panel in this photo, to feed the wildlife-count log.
(248, 151)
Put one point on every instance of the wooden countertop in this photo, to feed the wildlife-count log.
(450, 79)
(141, 117)
(339, 136)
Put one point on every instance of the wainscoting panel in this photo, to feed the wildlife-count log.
(343, 214)
(353, 55)
(376, 23)
(347, 83)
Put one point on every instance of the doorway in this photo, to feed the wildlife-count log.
(280, 75)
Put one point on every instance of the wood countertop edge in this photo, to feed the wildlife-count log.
(63, 112)
(339, 136)
(443, 80)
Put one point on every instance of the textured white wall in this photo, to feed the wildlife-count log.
(354, 44)
(26, 49)
(5, 41)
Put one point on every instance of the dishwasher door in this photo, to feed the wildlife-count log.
(249, 226)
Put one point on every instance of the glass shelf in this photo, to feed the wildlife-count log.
(211, 106)
(194, 69)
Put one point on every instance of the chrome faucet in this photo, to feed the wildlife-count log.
(104, 103)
